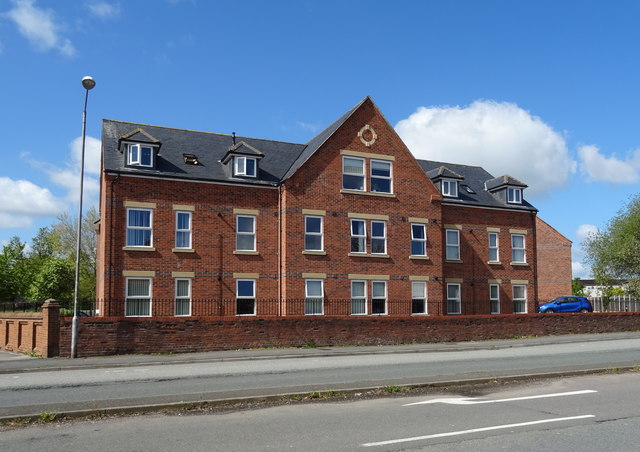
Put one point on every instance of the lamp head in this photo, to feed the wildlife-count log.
(88, 82)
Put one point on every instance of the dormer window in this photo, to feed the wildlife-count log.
(139, 155)
(449, 188)
(244, 166)
(514, 195)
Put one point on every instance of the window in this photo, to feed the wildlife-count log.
(244, 166)
(494, 298)
(418, 297)
(378, 237)
(450, 188)
(138, 297)
(453, 299)
(353, 173)
(514, 195)
(183, 229)
(245, 233)
(313, 233)
(358, 297)
(183, 297)
(381, 176)
(139, 155)
(139, 232)
(418, 240)
(518, 254)
(246, 297)
(314, 297)
(519, 299)
(453, 244)
(493, 247)
(378, 297)
(358, 236)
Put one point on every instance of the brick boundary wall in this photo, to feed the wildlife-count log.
(102, 336)
(32, 332)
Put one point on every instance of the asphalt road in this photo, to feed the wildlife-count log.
(69, 386)
(578, 414)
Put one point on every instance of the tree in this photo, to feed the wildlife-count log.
(576, 288)
(614, 253)
(55, 279)
(17, 271)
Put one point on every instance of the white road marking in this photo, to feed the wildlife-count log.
(467, 401)
(476, 430)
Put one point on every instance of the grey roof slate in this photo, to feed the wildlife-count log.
(443, 172)
(504, 180)
(474, 178)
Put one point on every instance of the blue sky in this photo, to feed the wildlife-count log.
(545, 91)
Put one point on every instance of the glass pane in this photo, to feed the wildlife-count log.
(182, 288)
(352, 166)
(380, 168)
(140, 218)
(357, 227)
(357, 245)
(183, 239)
(417, 306)
(418, 248)
(313, 242)
(245, 242)
(418, 289)
(452, 237)
(380, 185)
(378, 289)
(245, 306)
(417, 231)
(493, 254)
(352, 182)
(493, 291)
(239, 165)
(452, 253)
(313, 306)
(518, 256)
(378, 306)
(453, 291)
(251, 167)
(246, 224)
(517, 241)
(183, 307)
(183, 220)
(493, 239)
(314, 288)
(358, 306)
(313, 224)
(133, 154)
(377, 229)
(518, 292)
(357, 289)
(137, 307)
(246, 288)
(378, 246)
(145, 157)
(138, 287)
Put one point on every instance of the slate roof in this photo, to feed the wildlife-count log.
(504, 180)
(474, 177)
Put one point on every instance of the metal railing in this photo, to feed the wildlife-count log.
(618, 303)
(86, 308)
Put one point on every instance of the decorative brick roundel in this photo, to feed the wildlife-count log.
(367, 135)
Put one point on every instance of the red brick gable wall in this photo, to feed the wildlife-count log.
(317, 186)
(554, 262)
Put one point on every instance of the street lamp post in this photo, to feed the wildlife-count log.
(87, 83)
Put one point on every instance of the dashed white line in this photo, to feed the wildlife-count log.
(468, 401)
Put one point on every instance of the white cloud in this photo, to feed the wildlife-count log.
(609, 169)
(585, 231)
(309, 127)
(104, 10)
(501, 137)
(21, 200)
(39, 27)
(579, 270)
(91, 154)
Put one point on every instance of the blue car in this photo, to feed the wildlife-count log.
(567, 304)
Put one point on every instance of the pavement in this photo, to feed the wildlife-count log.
(18, 363)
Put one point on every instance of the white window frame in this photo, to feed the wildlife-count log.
(452, 245)
(137, 161)
(495, 247)
(517, 249)
(361, 237)
(389, 178)
(422, 241)
(138, 297)
(139, 228)
(315, 234)
(361, 299)
(378, 238)
(421, 298)
(246, 234)
(449, 188)
(187, 231)
(180, 299)
(240, 169)
(494, 299)
(246, 297)
(362, 175)
(376, 299)
(454, 301)
(514, 195)
(517, 300)
(312, 301)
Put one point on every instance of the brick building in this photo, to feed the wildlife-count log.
(201, 224)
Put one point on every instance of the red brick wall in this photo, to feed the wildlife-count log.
(26, 332)
(108, 336)
(554, 262)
